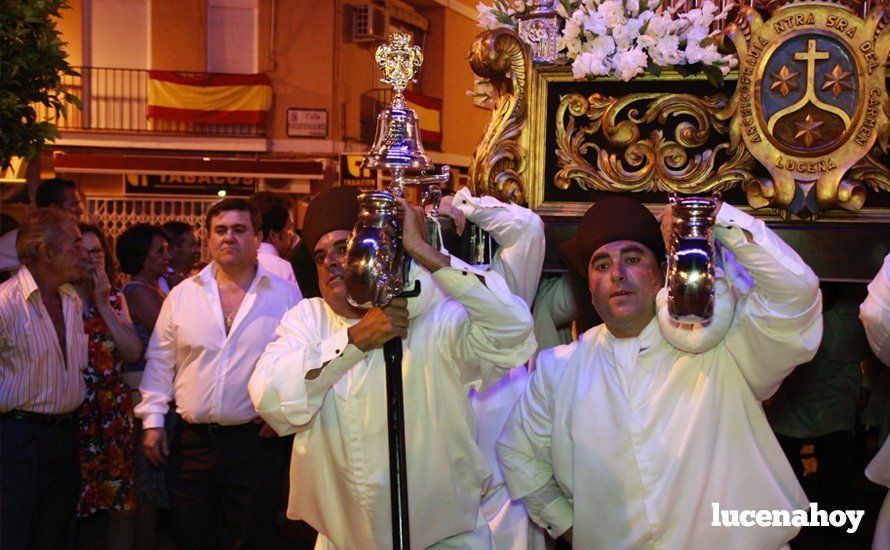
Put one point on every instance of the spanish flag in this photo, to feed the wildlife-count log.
(429, 116)
(208, 97)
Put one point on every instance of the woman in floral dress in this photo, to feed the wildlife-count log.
(107, 446)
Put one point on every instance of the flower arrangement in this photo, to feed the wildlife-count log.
(625, 38)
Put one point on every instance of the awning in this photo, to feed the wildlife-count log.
(81, 163)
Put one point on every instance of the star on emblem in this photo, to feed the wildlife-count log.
(807, 130)
(836, 80)
(785, 81)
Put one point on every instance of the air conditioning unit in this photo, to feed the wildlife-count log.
(369, 23)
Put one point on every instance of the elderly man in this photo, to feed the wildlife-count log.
(624, 441)
(875, 315)
(43, 351)
(224, 465)
(56, 193)
(323, 378)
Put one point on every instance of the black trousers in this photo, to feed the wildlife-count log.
(834, 454)
(39, 485)
(834, 475)
(223, 483)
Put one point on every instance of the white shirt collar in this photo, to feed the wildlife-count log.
(208, 274)
(28, 285)
(649, 337)
(267, 248)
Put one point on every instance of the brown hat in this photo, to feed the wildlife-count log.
(336, 208)
(612, 219)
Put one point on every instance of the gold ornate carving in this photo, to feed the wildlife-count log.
(498, 164)
(603, 143)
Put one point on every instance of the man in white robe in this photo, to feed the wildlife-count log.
(875, 315)
(323, 379)
(624, 441)
(519, 233)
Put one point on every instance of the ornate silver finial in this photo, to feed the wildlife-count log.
(399, 61)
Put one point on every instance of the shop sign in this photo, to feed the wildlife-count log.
(173, 184)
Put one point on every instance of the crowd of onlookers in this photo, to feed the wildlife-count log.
(87, 417)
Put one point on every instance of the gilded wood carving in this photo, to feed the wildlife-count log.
(665, 142)
(499, 158)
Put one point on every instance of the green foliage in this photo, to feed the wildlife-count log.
(32, 63)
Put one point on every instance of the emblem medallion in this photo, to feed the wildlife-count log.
(811, 98)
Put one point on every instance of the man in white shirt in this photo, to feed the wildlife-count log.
(224, 465)
(278, 234)
(323, 379)
(43, 351)
(624, 441)
(52, 193)
(875, 315)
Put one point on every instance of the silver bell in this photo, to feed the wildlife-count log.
(397, 143)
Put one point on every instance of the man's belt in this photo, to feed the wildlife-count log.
(41, 419)
(211, 428)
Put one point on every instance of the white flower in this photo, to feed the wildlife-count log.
(602, 44)
(697, 33)
(602, 37)
(517, 6)
(572, 29)
(572, 47)
(665, 51)
(591, 63)
(696, 54)
(486, 17)
(613, 13)
(630, 63)
(626, 34)
(660, 24)
(593, 22)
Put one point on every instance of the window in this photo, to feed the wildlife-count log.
(232, 36)
(118, 34)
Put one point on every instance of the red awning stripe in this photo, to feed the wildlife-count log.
(211, 79)
(209, 117)
(143, 164)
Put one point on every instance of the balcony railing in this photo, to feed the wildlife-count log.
(116, 100)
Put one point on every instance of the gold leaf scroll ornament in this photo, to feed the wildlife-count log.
(597, 125)
(498, 164)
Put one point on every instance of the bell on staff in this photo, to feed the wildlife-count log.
(397, 143)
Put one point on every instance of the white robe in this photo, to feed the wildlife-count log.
(339, 467)
(875, 315)
(519, 233)
(636, 439)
